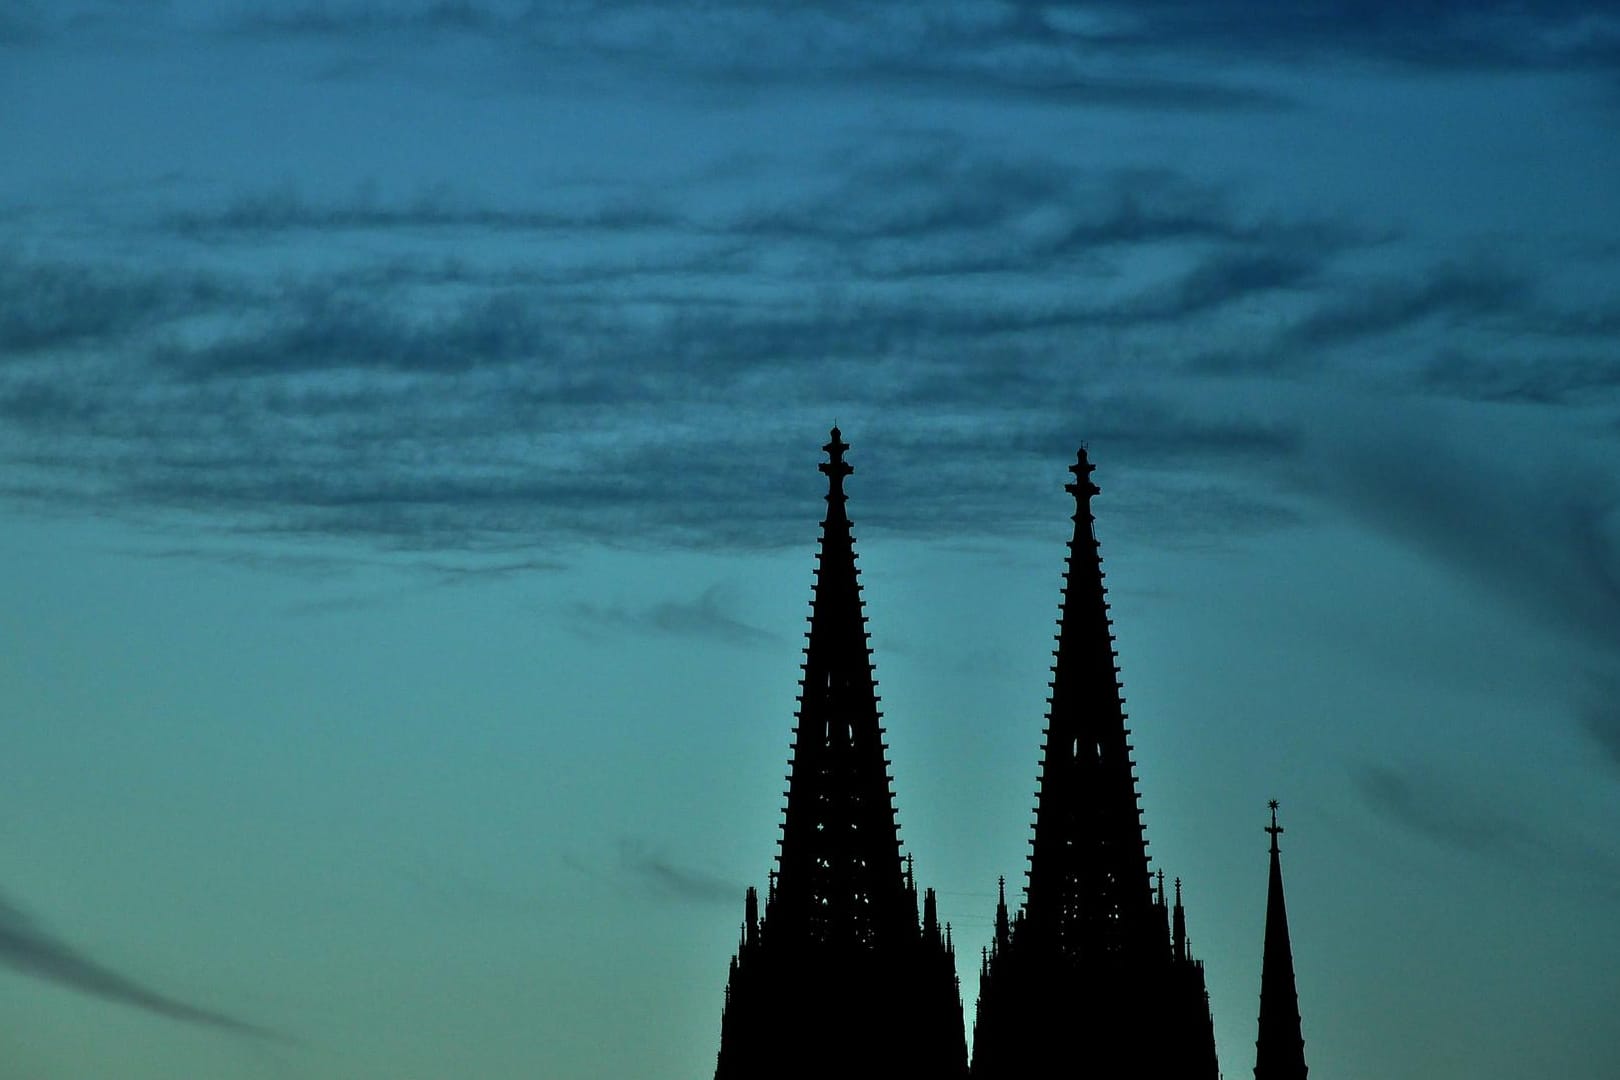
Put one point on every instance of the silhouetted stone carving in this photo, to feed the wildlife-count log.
(1091, 978)
(841, 976)
(1279, 1051)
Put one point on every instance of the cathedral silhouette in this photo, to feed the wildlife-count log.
(846, 975)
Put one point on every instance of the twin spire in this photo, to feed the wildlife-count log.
(845, 974)
(840, 884)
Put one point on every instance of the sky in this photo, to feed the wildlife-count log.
(409, 418)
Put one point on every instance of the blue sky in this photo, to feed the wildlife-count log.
(408, 425)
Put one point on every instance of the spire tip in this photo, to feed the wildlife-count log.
(1082, 487)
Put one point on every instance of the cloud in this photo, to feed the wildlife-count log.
(1599, 714)
(1222, 279)
(702, 618)
(655, 873)
(1445, 35)
(953, 49)
(979, 47)
(27, 949)
(933, 187)
(1446, 292)
(440, 404)
(1340, 316)
(45, 304)
(284, 209)
(1448, 814)
(21, 23)
(1540, 534)
(1482, 823)
(1104, 52)
(1545, 380)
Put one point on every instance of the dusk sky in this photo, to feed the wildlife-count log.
(409, 418)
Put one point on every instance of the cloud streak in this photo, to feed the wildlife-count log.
(664, 878)
(980, 47)
(28, 950)
(484, 407)
(1481, 824)
(1537, 535)
(703, 618)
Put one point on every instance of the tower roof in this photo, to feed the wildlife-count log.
(1279, 1051)
(1089, 891)
(841, 882)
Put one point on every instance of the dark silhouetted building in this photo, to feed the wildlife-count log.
(1093, 977)
(1279, 1051)
(841, 975)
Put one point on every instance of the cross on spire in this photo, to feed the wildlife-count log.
(835, 468)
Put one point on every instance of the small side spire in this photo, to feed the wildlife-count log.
(1162, 908)
(1178, 931)
(1279, 1051)
(1003, 927)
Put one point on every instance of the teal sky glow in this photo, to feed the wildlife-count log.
(409, 417)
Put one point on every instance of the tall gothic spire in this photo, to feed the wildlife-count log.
(1083, 981)
(1279, 1052)
(841, 882)
(839, 979)
(1090, 893)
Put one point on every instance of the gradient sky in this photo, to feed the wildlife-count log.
(409, 415)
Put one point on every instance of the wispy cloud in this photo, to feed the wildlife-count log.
(1538, 535)
(702, 618)
(1462, 816)
(1541, 535)
(1446, 813)
(1443, 292)
(954, 49)
(1048, 51)
(29, 950)
(981, 47)
(1528, 380)
(471, 405)
(1599, 714)
(50, 303)
(656, 873)
(285, 209)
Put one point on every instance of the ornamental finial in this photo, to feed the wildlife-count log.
(1082, 487)
(836, 468)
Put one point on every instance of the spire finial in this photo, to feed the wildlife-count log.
(835, 468)
(1082, 488)
(1274, 829)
